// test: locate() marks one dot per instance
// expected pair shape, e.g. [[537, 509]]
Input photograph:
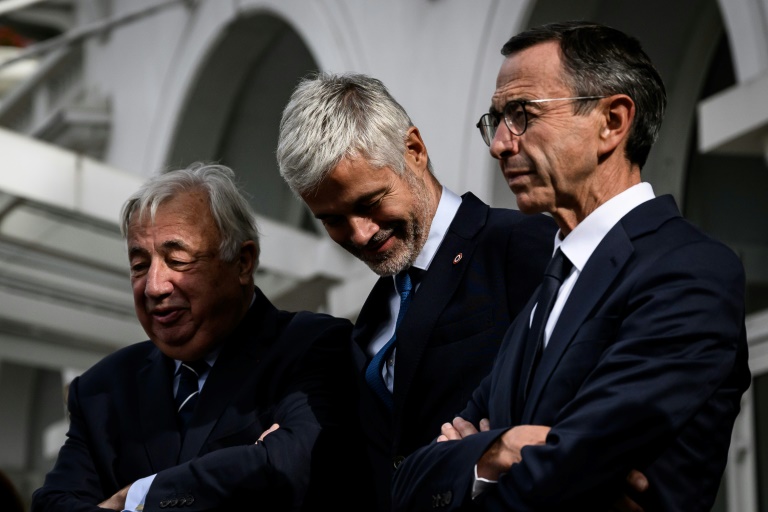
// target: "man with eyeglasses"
[[351, 152], [641, 361]]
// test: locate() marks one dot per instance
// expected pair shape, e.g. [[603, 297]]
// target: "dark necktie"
[[373, 372], [558, 269], [188, 391]]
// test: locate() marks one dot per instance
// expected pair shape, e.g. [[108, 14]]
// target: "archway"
[[232, 112]]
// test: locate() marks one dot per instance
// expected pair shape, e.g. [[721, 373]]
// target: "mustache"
[[376, 240], [380, 236], [516, 163]]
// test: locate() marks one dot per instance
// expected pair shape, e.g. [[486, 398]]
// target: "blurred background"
[[97, 95]]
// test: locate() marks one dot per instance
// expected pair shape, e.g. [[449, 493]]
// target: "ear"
[[248, 260], [618, 113], [415, 151]]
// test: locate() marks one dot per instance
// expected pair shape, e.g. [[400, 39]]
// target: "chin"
[[526, 204], [390, 265]]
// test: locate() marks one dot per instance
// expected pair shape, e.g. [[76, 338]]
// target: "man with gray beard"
[[461, 269]]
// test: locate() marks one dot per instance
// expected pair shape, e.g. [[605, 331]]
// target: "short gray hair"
[[230, 209], [335, 116], [601, 61]]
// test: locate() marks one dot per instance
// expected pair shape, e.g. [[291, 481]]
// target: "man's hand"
[[639, 483], [461, 428], [264, 434], [505, 451], [117, 501]]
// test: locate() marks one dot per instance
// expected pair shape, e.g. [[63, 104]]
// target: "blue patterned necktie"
[[188, 391], [373, 372], [557, 270]]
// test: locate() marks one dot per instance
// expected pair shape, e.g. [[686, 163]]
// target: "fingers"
[[485, 425], [271, 429], [464, 427], [117, 501], [625, 504], [458, 429], [448, 433], [637, 481]]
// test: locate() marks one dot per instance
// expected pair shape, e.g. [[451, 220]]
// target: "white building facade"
[[129, 88]]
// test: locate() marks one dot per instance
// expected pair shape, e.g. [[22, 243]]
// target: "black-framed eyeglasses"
[[515, 116]]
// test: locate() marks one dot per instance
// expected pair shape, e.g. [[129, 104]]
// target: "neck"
[[606, 183]]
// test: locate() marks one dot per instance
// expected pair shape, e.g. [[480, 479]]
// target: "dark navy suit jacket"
[[452, 330], [123, 424], [645, 369]]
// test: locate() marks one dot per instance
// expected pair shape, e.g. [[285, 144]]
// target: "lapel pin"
[[457, 258]]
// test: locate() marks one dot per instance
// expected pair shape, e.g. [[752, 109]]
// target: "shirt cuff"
[[137, 494], [480, 485]]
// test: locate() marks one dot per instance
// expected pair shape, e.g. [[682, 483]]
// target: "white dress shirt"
[[446, 211], [578, 246], [580, 243]]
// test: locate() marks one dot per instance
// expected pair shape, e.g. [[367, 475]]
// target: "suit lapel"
[[524, 352], [602, 268], [372, 315], [237, 362], [157, 415], [435, 291]]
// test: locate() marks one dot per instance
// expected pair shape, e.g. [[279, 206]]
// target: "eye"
[[366, 208], [177, 264], [518, 113], [331, 222], [138, 268]]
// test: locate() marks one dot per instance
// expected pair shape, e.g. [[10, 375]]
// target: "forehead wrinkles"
[[532, 73], [513, 89]]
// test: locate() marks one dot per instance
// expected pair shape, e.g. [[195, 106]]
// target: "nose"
[[504, 142], [361, 229], [158, 282]]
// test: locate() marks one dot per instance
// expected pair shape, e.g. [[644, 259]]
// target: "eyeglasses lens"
[[515, 117], [487, 126]]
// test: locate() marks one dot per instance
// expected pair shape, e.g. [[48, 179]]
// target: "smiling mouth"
[[166, 316], [377, 243]]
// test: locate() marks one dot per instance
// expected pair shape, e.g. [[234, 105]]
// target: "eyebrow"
[[174, 245], [362, 199], [171, 245], [135, 251]]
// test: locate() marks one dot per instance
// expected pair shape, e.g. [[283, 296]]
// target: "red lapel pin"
[[457, 258]]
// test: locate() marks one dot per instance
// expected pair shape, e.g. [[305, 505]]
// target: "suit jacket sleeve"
[[651, 378], [273, 473], [75, 469], [301, 384]]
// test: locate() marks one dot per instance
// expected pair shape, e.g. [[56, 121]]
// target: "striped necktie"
[[188, 391]]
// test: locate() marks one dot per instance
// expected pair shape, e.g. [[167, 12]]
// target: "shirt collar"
[[210, 359], [446, 211], [213, 354], [580, 243]]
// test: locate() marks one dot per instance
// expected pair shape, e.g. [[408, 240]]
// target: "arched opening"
[[233, 109]]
